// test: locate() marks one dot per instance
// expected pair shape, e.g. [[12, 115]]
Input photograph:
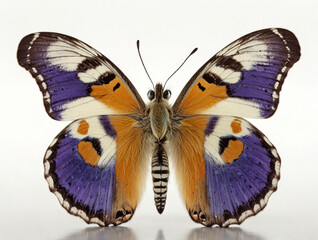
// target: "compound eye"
[[151, 95], [167, 94]]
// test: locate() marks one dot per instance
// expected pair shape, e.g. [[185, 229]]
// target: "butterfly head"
[[159, 93]]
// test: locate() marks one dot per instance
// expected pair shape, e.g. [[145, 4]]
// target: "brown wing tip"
[[23, 50]]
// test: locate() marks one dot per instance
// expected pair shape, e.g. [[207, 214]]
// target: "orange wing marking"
[[88, 152], [115, 95], [236, 126], [202, 96], [83, 127], [233, 151]]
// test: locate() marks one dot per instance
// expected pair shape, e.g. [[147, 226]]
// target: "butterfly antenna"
[[144, 64], [193, 51]]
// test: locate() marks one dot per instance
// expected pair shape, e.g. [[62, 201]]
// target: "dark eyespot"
[[167, 94], [151, 95]]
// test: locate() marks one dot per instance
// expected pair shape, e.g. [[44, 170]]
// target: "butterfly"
[[226, 168]]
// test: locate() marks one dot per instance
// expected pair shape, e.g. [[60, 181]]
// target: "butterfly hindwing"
[[240, 169], [76, 80], [88, 168], [244, 79]]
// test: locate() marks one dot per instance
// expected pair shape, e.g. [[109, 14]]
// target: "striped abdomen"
[[160, 175]]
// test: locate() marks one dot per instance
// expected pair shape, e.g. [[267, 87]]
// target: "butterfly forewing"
[[244, 79], [76, 80]]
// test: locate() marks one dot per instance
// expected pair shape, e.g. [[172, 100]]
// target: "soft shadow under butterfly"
[[226, 168]]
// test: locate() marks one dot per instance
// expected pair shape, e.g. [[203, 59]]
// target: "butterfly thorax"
[[159, 112], [159, 120]]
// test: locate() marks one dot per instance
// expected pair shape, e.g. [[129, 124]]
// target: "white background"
[[168, 31]]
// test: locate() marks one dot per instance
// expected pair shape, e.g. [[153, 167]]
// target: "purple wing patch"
[[242, 170], [80, 169]]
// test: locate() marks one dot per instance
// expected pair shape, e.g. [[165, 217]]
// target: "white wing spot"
[[54, 141], [227, 75], [246, 59], [274, 182], [34, 70], [275, 95], [235, 107], [58, 53], [97, 221], [48, 153], [229, 222], [40, 78], [267, 141], [66, 205], [91, 75], [47, 97], [83, 215], [274, 152], [84, 107], [245, 215], [257, 208], [262, 203], [50, 181], [59, 197], [44, 85], [36, 35], [74, 210], [277, 33], [46, 167], [277, 168], [267, 196]]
